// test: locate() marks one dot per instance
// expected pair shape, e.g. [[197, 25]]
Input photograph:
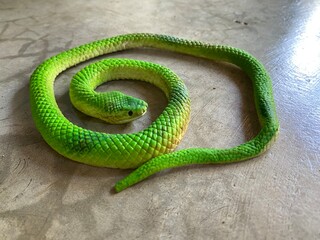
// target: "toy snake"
[[149, 150]]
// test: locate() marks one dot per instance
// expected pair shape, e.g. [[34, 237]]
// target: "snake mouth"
[[139, 113], [142, 112]]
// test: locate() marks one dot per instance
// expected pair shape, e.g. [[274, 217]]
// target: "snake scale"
[[149, 150]]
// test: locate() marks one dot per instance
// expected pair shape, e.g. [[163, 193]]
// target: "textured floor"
[[275, 196]]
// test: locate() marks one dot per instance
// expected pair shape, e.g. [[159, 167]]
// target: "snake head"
[[120, 108]]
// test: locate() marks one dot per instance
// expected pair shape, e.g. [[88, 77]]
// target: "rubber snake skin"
[[150, 150]]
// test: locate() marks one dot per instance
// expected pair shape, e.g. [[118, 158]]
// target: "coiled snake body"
[[150, 150]]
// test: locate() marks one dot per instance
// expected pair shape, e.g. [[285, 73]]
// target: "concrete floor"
[[275, 196]]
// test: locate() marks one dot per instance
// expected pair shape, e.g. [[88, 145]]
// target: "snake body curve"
[[150, 150]]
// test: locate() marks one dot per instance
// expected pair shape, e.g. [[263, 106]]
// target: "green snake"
[[149, 150]]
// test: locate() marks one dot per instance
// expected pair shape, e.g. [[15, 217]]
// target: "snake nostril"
[[130, 113]]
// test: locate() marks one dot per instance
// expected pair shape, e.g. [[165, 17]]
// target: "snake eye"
[[130, 113]]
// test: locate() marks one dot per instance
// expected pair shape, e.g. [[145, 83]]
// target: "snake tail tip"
[[127, 182], [120, 186]]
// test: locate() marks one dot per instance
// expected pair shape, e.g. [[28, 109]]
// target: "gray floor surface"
[[275, 196]]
